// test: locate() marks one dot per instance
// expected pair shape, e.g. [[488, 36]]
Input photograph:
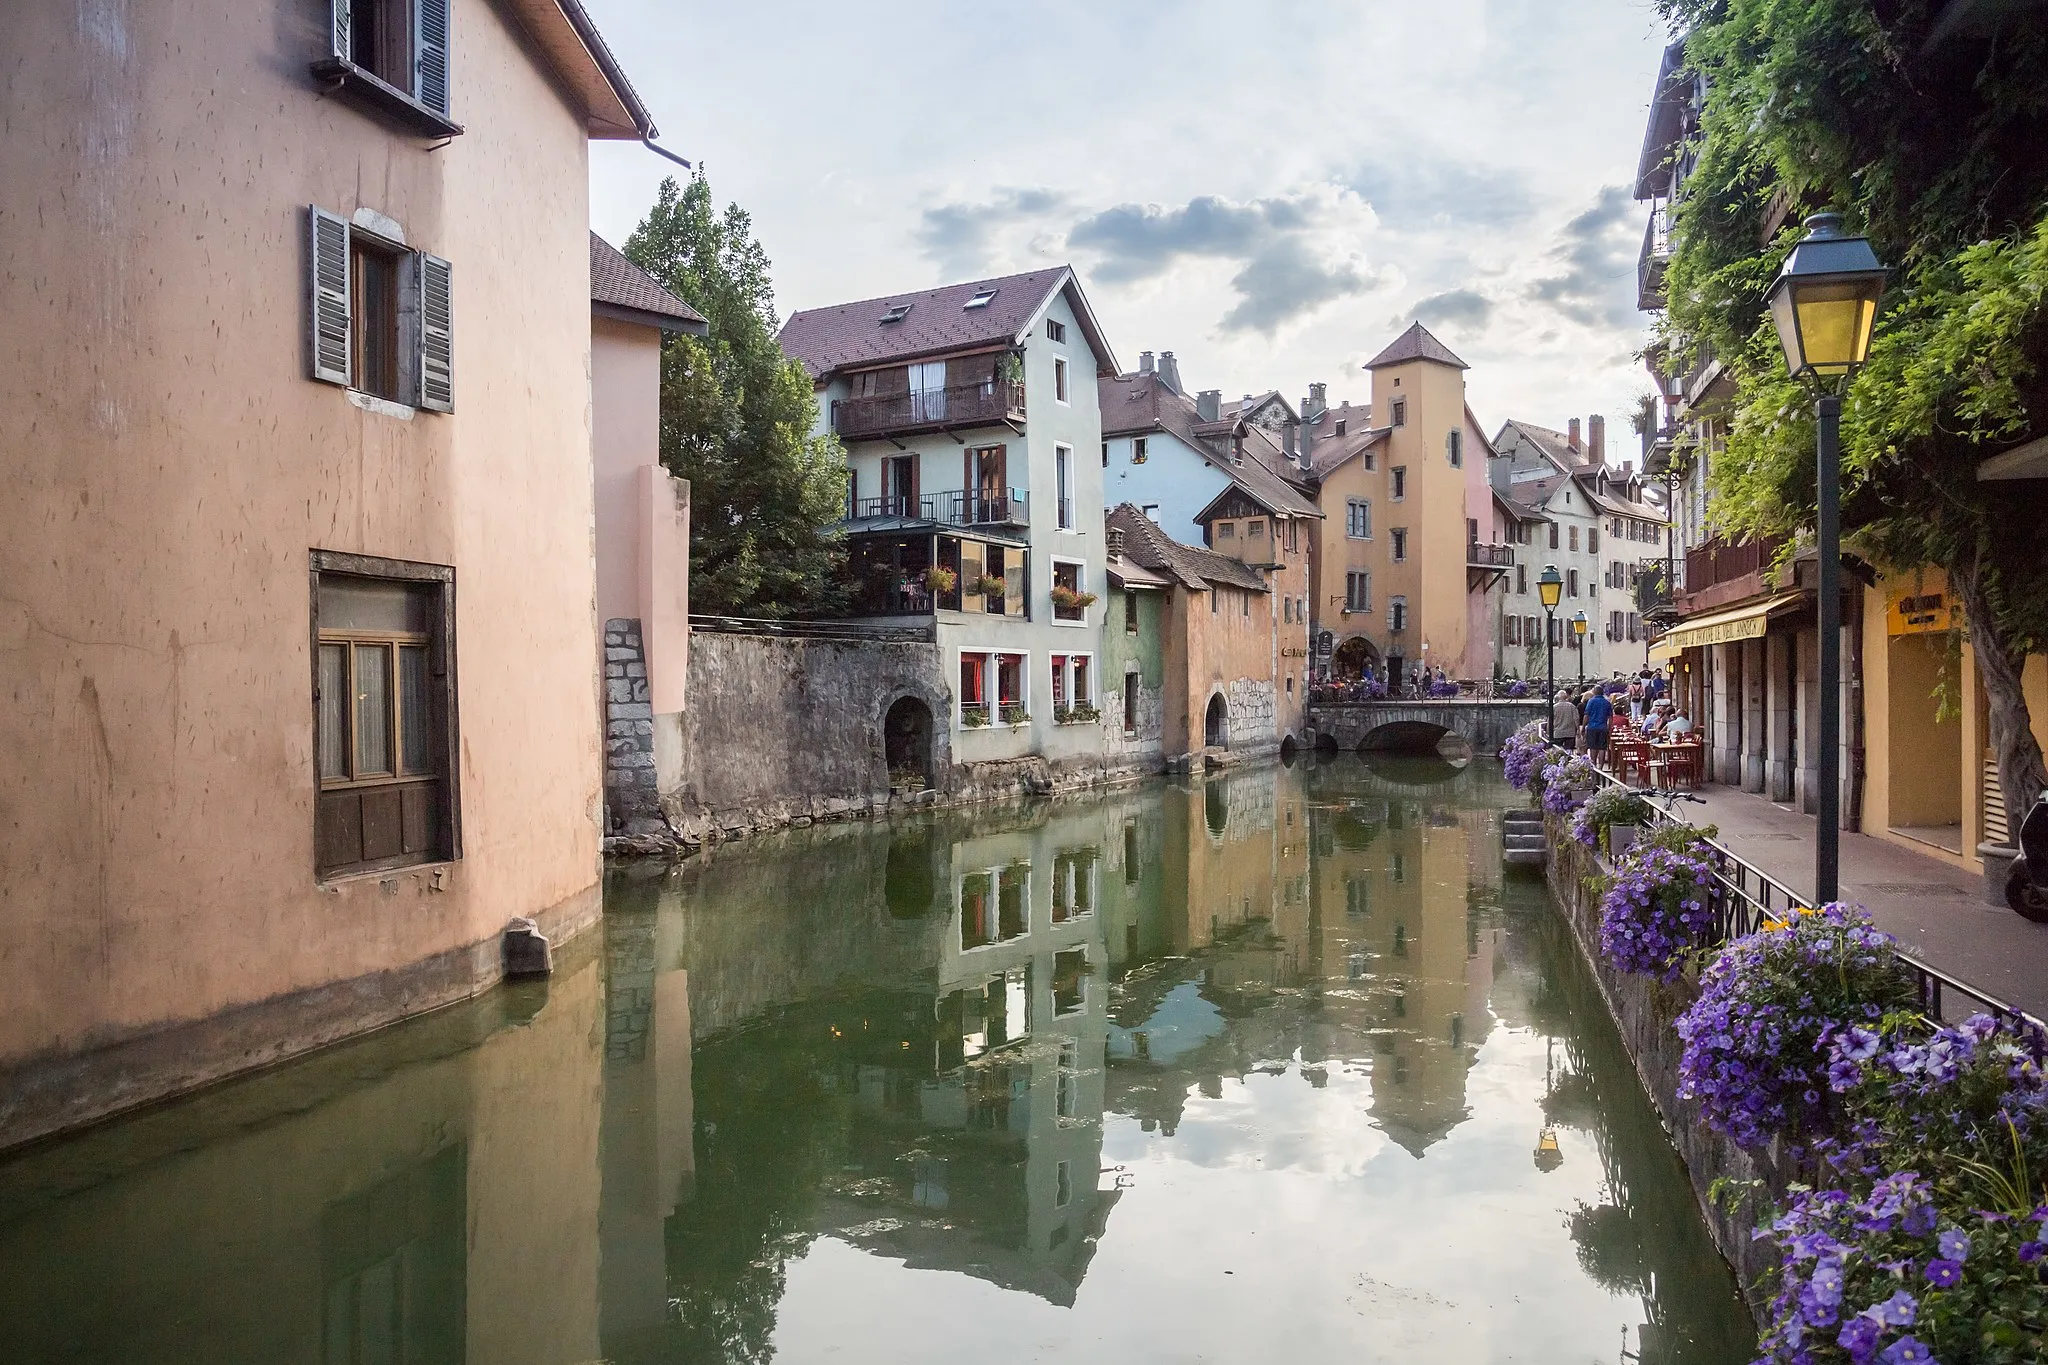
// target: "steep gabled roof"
[[1517, 509], [620, 289], [1189, 565], [845, 336], [1589, 484], [1553, 444], [1327, 450], [1133, 404], [1416, 344]]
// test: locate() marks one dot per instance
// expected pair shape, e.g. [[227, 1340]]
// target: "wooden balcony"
[[1486, 565], [1717, 573], [956, 407]]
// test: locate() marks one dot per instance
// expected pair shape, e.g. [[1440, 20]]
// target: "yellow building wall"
[[1432, 510]]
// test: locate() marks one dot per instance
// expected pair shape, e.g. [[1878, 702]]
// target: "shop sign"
[[1925, 613]]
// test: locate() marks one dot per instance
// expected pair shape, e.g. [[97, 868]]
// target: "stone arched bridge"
[[1418, 726]]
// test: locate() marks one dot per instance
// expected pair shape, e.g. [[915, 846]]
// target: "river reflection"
[[1267, 1066]]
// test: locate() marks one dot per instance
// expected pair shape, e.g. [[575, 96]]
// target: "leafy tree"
[[1939, 151], [737, 417]]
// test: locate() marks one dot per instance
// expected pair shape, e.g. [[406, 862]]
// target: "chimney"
[[1208, 403], [1144, 362], [1572, 435], [1596, 439], [1287, 440], [1113, 542], [1169, 372], [1317, 402]]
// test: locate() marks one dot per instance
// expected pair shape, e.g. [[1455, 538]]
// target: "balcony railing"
[[1482, 556], [1004, 507], [1655, 256], [1715, 562], [959, 405], [894, 505]]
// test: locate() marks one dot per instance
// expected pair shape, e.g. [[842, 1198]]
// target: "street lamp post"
[[1579, 642], [1823, 305], [1550, 587]]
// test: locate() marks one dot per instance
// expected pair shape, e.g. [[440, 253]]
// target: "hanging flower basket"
[[940, 580], [988, 585]]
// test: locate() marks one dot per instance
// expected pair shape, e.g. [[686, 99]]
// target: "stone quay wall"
[[785, 730], [1645, 1012]]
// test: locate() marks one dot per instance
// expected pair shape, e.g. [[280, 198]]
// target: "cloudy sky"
[[1269, 190]]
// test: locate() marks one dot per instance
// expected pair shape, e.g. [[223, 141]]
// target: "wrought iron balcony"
[[989, 403], [1656, 255], [1003, 507]]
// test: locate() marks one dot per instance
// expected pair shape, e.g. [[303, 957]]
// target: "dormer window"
[[897, 312], [982, 298], [1340, 426]]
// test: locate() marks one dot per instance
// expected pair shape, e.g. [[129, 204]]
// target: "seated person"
[[1679, 724]]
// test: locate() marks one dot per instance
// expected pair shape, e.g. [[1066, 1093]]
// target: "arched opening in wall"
[[1216, 726], [907, 744], [1326, 744], [1352, 656], [1216, 809], [1403, 737], [1289, 750]]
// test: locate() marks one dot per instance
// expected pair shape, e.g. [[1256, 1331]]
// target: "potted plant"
[[974, 716], [1066, 599], [989, 585], [1014, 713], [1084, 713], [940, 580], [1615, 812]]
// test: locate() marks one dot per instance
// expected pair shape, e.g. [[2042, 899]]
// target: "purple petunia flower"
[[1908, 1351], [1943, 1273], [1897, 1311], [1859, 1337], [1954, 1244]]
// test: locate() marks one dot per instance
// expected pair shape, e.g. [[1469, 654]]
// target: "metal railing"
[[956, 405], [812, 630], [1483, 556], [1746, 898], [998, 507], [893, 505], [1656, 254]]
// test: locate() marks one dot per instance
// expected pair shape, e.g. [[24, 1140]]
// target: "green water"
[[1257, 1068]]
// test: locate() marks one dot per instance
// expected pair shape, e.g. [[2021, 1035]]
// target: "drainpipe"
[[1855, 812]]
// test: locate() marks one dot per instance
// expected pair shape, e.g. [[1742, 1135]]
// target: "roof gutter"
[[615, 76]]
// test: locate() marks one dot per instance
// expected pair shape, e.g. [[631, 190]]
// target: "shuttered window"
[[392, 58], [381, 317]]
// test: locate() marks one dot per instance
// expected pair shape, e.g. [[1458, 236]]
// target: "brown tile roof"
[[1588, 482], [1190, 565], [1555, 444], [1328, 451], [1520, 511], [851, 335], [617, 283], [1416, 344], [1133, 404]]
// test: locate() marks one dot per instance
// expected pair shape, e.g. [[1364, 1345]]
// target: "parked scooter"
[[2026, 884]]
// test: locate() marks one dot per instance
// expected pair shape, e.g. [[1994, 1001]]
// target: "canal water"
[[1271, 1066]]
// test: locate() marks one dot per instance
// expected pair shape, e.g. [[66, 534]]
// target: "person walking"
[[1599, 724], [1564, 720]]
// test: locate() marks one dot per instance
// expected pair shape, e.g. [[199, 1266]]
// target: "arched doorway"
[[1216, 727], [907, 744], [1352, 656]]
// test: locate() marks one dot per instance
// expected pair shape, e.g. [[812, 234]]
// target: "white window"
[[1358, 519], [1073, 687], [928, 392], [1059, 379], [1069, 592], [1138, 450], [1063, 484], [994, 688], [1055, 330], [381, 314]]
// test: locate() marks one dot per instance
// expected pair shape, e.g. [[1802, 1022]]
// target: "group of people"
[[1584, 719]]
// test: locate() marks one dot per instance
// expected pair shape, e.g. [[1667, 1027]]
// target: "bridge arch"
[[1404, 737]]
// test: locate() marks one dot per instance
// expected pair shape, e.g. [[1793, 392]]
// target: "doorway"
[[907, 744], [1216, 726]]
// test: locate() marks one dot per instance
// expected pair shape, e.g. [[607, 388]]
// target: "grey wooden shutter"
[[430, 48], [327, 305], [437, 334], [339, 29]]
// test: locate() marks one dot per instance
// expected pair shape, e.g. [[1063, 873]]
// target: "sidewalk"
[[1936, 912]]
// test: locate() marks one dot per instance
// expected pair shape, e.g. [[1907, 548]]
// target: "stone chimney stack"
[[1317, 402], [1169, 372], [1208, 403], [1572, 436], [1596, 439], [1144, 362], [1113, 542]]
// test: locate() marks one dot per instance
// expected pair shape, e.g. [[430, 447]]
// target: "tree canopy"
[[737, 417], [1934, 141]]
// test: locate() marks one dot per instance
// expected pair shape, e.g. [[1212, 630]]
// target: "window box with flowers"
[[1014, 713], [1082, 713], [1070, 596]]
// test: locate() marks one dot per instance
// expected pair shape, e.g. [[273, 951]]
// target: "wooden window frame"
[[445, 739]]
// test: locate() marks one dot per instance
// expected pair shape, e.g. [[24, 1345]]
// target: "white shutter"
[[339, 28], [430, 47], [327, 305], [437, 334]]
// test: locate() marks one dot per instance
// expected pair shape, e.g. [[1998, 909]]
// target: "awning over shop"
[[1724, 627], [1664, 652]]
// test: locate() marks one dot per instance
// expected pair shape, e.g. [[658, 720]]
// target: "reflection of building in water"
[[427, 1194], [1405, 943]]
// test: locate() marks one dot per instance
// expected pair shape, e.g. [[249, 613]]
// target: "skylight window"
[[982, 298], [897, 312]]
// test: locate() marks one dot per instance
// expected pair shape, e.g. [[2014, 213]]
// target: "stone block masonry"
[[632, 803]]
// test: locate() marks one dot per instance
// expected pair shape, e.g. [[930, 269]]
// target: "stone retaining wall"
[[1645, 1012]]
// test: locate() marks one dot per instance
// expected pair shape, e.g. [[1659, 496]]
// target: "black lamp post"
[[1823, 304], [1550, 587], [1579, 642]]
